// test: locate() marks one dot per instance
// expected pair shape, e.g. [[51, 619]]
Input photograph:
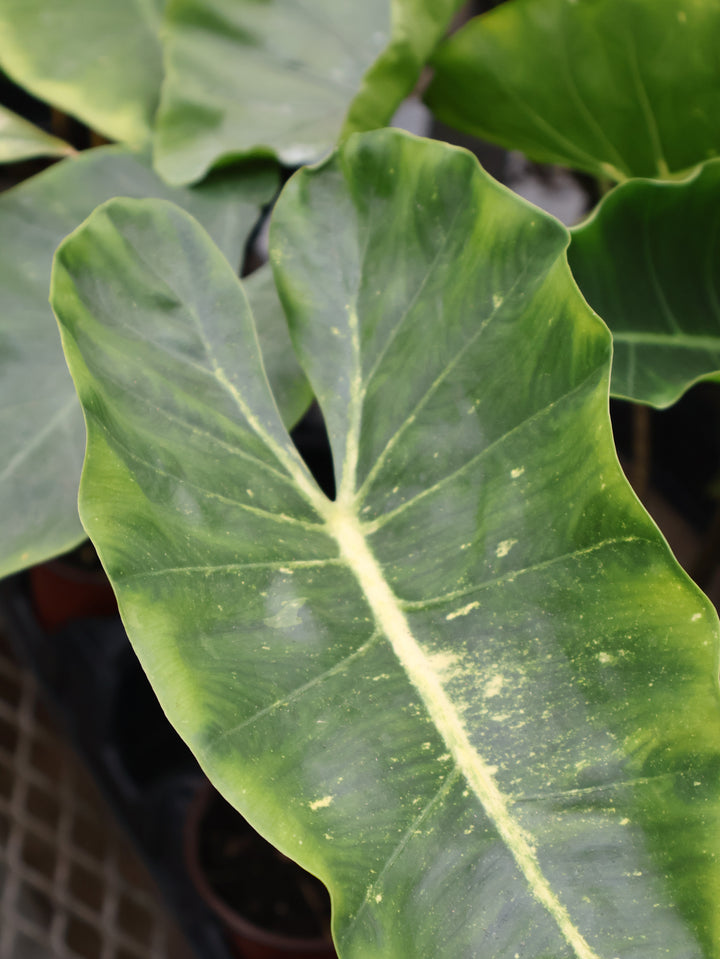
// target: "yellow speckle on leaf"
[[444, 664], [321, 803], [494, 686], [462, 612], [504, 547], [518, 471]]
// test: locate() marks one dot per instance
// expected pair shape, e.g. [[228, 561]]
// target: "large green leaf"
[[96, 59], [42, 437], [475, 693], [283, 77], [21, 140], [647, 261], [616, 87]]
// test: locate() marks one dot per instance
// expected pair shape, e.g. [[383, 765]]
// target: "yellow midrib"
[[345, 528]]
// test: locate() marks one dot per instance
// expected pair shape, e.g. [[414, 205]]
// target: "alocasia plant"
[[474, 693]]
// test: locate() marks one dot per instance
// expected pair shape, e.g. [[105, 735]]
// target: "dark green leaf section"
[[41, 431], [475, 693], [21, 140], [647, 263], [618, 88], [282, 77], [99, 61]]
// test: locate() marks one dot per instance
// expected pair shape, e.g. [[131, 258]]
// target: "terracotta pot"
[[69, 588], [246, 940]]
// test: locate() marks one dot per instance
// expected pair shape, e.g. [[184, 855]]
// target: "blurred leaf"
[[96, 60], [290, 386], [42, 437], [22, 140], [282, 77], [647, 262], [618, 88], [416, 28]]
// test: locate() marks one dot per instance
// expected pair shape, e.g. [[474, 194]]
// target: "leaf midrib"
[[345, 527]]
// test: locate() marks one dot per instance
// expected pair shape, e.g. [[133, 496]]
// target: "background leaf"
[[280, 77], [475, 693], [647, 262], [99, 61], [42, 437], [290, 387], [627, 88], [416, 28], [22, 140]]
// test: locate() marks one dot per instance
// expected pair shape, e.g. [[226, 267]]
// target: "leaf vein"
[[511, 575], [300, 691], [230, 567], [373, 525], [407, 422]]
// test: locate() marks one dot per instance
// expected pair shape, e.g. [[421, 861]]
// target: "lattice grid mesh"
[[71, 887]]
